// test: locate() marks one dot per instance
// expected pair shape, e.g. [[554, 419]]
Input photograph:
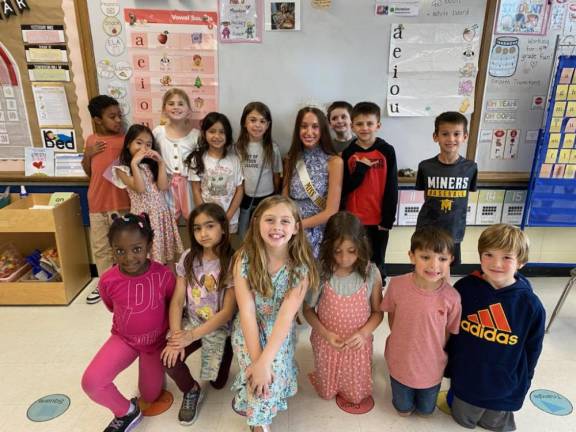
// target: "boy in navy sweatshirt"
[[492, 359]]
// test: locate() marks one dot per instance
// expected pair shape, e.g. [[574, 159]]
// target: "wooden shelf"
[[29, 229]]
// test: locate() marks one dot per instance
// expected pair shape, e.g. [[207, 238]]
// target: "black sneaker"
[[93, 297], [128, 422], [190, 406]]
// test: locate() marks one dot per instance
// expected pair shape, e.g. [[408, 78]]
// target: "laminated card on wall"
[[490, 202], [411, 202], [513, 209], [471, 208]]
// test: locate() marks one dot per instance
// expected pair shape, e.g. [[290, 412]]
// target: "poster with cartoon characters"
[[522, 17], [169, 49], [240, 21], [432, 68]]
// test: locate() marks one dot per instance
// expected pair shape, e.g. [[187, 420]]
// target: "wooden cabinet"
[[30, 229]]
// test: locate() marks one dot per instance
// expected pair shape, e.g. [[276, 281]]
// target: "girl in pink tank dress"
[[344, 312]]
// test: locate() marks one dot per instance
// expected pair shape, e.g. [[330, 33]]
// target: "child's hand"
[[259, 378], [335, 341], [366, 161], [140, 154], [99, 147], [170, 355], [180, 339], [155, 156], [356, 341]]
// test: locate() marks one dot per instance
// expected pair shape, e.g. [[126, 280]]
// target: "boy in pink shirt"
[[423, 309]]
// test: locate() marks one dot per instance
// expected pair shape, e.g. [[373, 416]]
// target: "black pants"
[[457, 255], [378, 242], [181, 375]]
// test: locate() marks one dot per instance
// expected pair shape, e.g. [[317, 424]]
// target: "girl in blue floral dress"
[[313, 173], [272, 271]]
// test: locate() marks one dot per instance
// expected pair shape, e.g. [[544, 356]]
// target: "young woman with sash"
[[313, 173]]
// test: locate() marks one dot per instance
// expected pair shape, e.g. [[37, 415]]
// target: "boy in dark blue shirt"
[[492, 360]]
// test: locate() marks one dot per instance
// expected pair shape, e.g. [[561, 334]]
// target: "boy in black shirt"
[[446, 180]]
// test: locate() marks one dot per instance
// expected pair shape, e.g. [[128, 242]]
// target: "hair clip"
[[141, 225], [125, 218]]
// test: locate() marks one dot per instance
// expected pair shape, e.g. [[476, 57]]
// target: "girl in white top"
[[176, 141], [215, 170], [260, 158]]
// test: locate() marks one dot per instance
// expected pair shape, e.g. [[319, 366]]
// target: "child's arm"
[[277, 170], [186, 337], [196, 193], [247, 311], [312, 317], [134, 181], [351, 181], [259, 373], [335, 169], [162, 181], [534, 338], [359, 338], [390, 197], [170, 353], [236, 200], [89, 152]]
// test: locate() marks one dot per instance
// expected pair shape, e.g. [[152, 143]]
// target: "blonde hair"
[[174, 91], [299, 251], [506, 238]]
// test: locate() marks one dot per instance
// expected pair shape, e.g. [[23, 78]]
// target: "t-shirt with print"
[[219, 181], [251, 169], [446, 188], [203, 299], [415, 348], [139, 304], [103, 196], [340, 146]]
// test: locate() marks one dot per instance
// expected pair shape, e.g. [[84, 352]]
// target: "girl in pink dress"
[[344, 312], [142, 171]]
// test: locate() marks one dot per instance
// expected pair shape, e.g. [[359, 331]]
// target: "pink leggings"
[[115, 356]]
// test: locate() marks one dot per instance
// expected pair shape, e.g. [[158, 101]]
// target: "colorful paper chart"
[[170, 49]]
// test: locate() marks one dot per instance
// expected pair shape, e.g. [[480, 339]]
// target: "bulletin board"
[[518, 73], [338, 53], [45, 13]]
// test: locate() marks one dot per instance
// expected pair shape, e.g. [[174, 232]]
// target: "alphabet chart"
[[171, 49], [432, 68]]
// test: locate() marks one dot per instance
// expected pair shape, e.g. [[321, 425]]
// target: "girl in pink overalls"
[[344, 312]]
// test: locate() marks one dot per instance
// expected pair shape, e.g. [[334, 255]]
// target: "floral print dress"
[[260, 411], [316, 162]]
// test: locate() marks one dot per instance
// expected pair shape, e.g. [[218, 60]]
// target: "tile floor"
[[45, 350]]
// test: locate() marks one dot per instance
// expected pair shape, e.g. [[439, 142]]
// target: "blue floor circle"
[[551, 402], [48, 408]]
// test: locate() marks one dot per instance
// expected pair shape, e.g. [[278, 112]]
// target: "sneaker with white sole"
[[93, 297], [128, 422], [190, 406]]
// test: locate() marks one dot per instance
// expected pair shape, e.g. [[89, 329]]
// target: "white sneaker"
[[93, 297]]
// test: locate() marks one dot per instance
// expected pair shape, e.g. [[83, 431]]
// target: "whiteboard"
[[340, 54]]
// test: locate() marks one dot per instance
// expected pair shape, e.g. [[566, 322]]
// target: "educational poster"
[[51, 105], [171, 49], [38, 162], [14, 128], [522, 17], [282, 16], [59, 140], [432, 68], [240, 21]]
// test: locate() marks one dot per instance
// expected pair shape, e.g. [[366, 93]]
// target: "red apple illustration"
[[163, 37]]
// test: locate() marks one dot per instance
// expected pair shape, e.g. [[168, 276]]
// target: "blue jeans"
[[406, 399]]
